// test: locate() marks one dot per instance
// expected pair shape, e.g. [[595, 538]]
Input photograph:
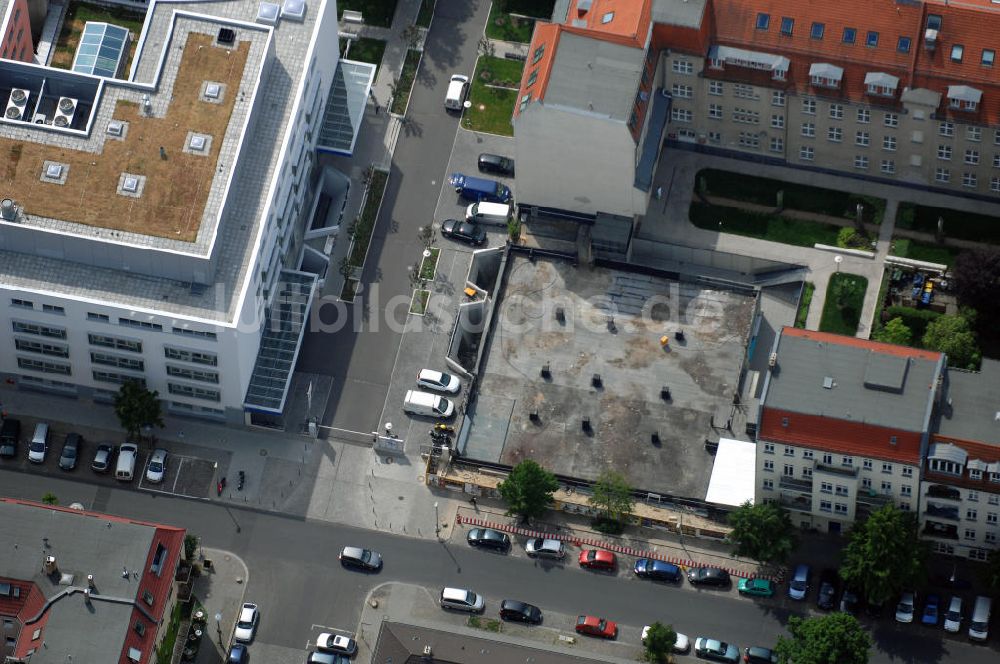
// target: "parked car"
[[366, 559], [657, 570], [932, 611], [849, 601], [716, 650], [460, 599], [544, 548], [953, 616], [488, 539], [494, 163], [479, 189], [828, 583], [598, 559], [70, 451], [338, 643], [755, 587], [594, 626], [103, 457], [39, 444], [512, 609], [463, 231], [324, 657], [904, 610], [246, 623], [238, 654], [10, 434], [157, 467], [709, 576], [798, 587], [759, 655], [458, 87], [681, 644], [438, 380]]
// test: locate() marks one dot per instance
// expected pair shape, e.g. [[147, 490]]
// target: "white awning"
[[881, 79], [948, 452], [964, 93], [733, 476], [826, 70], [753, 59], [977, 464], [993, 467]]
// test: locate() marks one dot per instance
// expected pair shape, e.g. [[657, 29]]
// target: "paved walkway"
[[220, 591]]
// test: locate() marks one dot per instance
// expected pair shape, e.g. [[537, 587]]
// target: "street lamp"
[[218, 629], [437, 522], [838, 260]]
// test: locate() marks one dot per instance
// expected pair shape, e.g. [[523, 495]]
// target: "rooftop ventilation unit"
[[930, 39], [40, 118], [65, 111], [772, 360], [294, 10], [8, 210], [268, 13], [50, 564], [17, 104], [227, 36], [116, 128]]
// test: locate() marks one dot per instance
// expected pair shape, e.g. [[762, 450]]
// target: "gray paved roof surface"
[[686, 13], [595, 76], [972, 404]]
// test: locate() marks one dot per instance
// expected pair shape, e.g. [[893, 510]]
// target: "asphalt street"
[[296, 578]]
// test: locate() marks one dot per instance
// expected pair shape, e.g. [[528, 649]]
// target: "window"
[[807, 153], [867, 464], [193, 374], [944, 152], [31, 364], [827, 458], [681, 66], [862, 138], [533, 76], [763, 21], [778, 121], [891, 120], [903, 45], [787, 25], [681, 115], [825, 506], [835, 134], [197, 357], [887, 468], [993, 500], [38, 330], [864, 115], [42, 348], [715, 136], [788, 470], [969, 180], [193, 392], [991, 537], [768, 485], [996, 161], [946, 128], [808, 129], [715, 111], [850, 34], [995, 477], [947, 467], [889, 143], [841, 490], [116, 378], [989, 55], [139, 627], [933, 22], [539, 52], [906, 490], [807, 472], [778, 99], [817, 30], [769, 466], [715, 87], [871, 39], [100, 318], [970, 534], [23, 304], [768, 448], [904, 507], [53, 309], [957, 51], [991, 518], [866, 482], [778, 145], [608, 17], [840, 508], [847, 461], [972, 157], [837, 111], [745, 91], [995, 184], [907, 471], [942, 175], [807, 454], [128, 363], [974, 134], [975, 474], [745, 116], [886, 487], [809, 106], [789, 451], [682, 91], [145, 325], [200, 334], [114, 342], [749, 139]]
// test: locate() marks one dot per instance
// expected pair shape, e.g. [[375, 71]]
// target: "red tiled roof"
[[628, 24], [161, 586], [840, 436], [975, 450], [876, 346], [546, 37]]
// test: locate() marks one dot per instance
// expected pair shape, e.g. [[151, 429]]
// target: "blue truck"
[[479, 189]]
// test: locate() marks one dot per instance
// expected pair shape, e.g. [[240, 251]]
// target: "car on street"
[[494, 163], [512, 609], [849, 601], [323, 657], [598, 559], [759, 655], [462, 599], [709, 576], [932, 610], [904, 610], [238, 654], [157, 467], [365, 559], [827, 596], [755, 587], [539, 547], [246, 623], [337, 643], [463, 231], [798, 587], [594, 626], [716, 650], [70, 451], [488, 538], [953, 616], [438, 380], [681, 644], [103, 456], [657, 570]]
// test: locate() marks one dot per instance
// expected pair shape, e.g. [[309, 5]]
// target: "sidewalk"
[[220, 591]]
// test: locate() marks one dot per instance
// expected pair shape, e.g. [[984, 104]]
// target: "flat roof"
[[971, 407], [627, 407], [733, 479], [595, 76]]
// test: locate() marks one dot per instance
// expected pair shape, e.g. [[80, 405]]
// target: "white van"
[[459, 599], [425, 403], [457, 89], [487, 213], [953, 616], [979, 623], [125, 469], [39, 443]]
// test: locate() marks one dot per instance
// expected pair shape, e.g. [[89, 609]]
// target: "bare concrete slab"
[[585, 322]]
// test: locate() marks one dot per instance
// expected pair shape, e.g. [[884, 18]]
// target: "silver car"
[[157, 467], [544, 548]]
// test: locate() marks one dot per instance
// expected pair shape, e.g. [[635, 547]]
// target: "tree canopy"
[[137, 407], [836, 638], [528, 489], [895, 332], [953, 335], [884, 555], [612, 495], [977, 279], [762, 532], [659, 642]]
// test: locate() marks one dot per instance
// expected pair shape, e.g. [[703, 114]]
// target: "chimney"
[[50, 565]]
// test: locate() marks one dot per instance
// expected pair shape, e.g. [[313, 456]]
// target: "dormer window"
[[946, 467], [763, 21], [881, 84], [903, 45], [995, 478], [964, 98], [825, 75], [779, 74], [957, 51], [817, 30], [871, 40], [933, 22], [975, 474], [787, 24]]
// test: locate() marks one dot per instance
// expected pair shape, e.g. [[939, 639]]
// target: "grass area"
[[425, 14], [429, 265], [921, 251], [349, 290], [366, 49], [375, 12], [365, 223], [764, 191], [845, 296], [961, 225], [493, 107], [418, 303], [766, 227], [401, 92], [78, 14], [165, 653], [803, 313]]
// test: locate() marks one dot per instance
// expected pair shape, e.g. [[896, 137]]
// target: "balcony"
[[942, 491], [942, 512], [802, 486], [940, 530], [797, 502], [840, 471], [872, 499]]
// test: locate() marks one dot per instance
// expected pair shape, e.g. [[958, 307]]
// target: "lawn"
[[366, 49], [766, 227], [962, 225], [418, 303], [349, 290], [401, 92], [921, 251], [365, 224], [425, 14], [492, 107], [78, 14], [845, 296], [429, 265], [375, 12], [803, 313], [764, 191]]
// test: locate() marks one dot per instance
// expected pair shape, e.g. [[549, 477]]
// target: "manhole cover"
[[263, 452], [400, 498]]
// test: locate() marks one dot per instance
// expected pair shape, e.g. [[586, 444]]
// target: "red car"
[[593, 626], [597, 559]]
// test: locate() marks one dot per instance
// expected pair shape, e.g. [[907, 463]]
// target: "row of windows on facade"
[[841, 490], [103, 340], [21, 303], [949, 550], [846, 461], [106, 359]]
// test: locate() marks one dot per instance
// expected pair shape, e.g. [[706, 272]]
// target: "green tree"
[[528, 489], [990, 573], [612, 495], [836, 638], [884, 555], [895, 332], [137, 407], [50, 499], [848, 289], [953, 336], [659, 642], [762, 532], [190, 546]]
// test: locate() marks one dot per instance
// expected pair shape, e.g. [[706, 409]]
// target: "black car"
[[238, 654], [464, 231], [488, 538], [829, 584], [10, 433], [70, 451], [103, 456], [758, 655], [709, 576], [511, 609], [494, 163]]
